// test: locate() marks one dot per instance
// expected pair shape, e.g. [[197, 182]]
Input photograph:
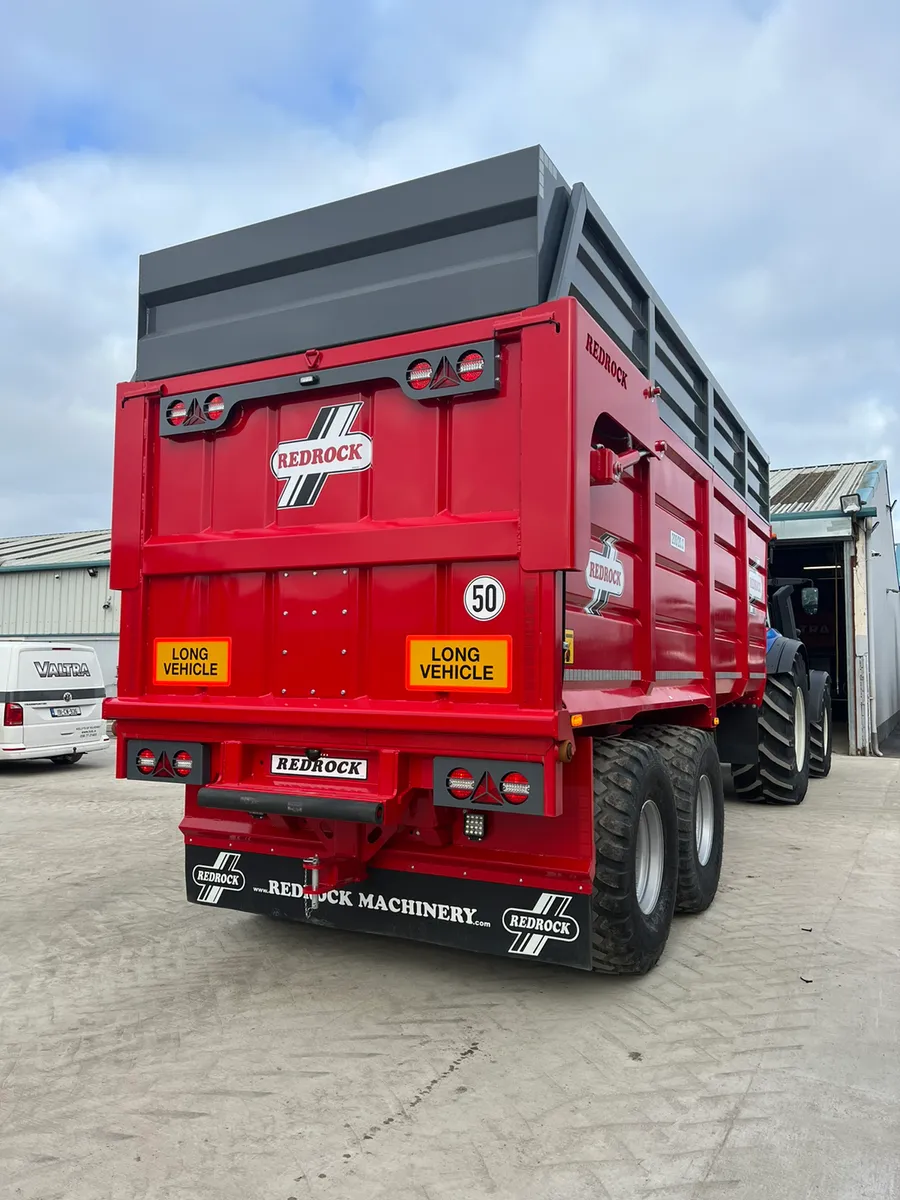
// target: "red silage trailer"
[[435, 618]]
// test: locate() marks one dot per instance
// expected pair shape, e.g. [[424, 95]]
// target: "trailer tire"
[[693, 764], [820, 726], [636, 873], [779, 777]]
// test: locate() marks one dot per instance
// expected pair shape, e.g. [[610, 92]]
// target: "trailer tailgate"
[[338, 537]]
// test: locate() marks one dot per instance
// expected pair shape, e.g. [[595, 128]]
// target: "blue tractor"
[[793, 727]]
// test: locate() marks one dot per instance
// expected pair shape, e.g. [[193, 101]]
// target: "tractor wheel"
[[636, 876], [693, 764], [782, 774], [820, 732]]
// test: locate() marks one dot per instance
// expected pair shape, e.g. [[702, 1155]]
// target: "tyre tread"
[[620, 767], [774, 777]]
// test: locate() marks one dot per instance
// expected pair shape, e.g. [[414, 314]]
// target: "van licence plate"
[[65, 712]]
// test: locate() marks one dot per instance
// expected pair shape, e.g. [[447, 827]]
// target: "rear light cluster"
[[460, 783], [183, 763], [13, 717], [515, 788], [213, 406], [470, 366], [420, 374], [176, 413], [211, 411], [148, 763]]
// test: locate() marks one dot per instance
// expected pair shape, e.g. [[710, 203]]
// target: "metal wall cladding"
[[55, 602]]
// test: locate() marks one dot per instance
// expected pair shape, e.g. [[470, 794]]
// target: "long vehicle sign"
[[459, 664], [195, 662]]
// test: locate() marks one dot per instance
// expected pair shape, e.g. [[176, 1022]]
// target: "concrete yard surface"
[[153, 1050]]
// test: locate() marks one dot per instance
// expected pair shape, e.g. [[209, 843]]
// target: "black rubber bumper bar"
[[288, 805]]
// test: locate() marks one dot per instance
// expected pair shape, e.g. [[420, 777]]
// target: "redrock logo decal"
[[605, 574], [330, 449], [221, 876], [354, 768], [606, 360], [534, 927], [55, 670]]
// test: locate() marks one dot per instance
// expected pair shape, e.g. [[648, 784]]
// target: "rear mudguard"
[[781, 653], [818, 682]]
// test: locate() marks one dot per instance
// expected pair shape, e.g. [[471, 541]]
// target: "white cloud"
[[747, 155]]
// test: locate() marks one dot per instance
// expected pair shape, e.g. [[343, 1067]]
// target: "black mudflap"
[[490, 918]]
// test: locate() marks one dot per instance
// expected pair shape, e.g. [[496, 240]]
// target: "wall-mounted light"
[[851, 504], [92, 571]]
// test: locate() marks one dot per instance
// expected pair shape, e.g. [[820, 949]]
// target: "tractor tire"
[[782, 774], [636, 874], [693, 764], [820, 734]]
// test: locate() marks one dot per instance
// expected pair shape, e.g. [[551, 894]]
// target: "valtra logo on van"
[[63, 670], [330, 449]]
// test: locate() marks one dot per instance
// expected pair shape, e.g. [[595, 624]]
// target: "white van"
[[51, 699]]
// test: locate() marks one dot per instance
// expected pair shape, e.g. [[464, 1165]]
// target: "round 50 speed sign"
[[484, 598]]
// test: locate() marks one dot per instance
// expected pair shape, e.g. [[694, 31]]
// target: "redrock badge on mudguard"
[[220, 876], [330, 449]]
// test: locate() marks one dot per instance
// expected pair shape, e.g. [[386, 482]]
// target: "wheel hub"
[[800, 728], [704, 820], [649, 857]]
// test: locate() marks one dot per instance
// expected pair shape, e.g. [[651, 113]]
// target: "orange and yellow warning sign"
[[458, 664], [195, 662]]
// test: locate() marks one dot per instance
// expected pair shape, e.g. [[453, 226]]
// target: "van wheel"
[[636, 876], [693, 763], [782, 773], [66, 760]]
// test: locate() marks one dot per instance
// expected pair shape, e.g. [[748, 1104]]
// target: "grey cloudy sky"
[[747, 151]]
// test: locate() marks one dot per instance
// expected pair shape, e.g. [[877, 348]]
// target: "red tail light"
[[183, 763], [214, 406], [460, 783], [13, 716], [470, 366], [419, 374], [515, 788], [176, 413], [146, 761]]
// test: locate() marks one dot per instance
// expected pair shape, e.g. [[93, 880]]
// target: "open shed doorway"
[[825, 565]]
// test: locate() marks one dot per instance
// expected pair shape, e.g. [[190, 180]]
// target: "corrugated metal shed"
[[57, 585], [39, 552], [818, 490]]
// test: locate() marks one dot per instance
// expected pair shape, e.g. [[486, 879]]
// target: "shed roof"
[[818, 490], [89, 548]]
